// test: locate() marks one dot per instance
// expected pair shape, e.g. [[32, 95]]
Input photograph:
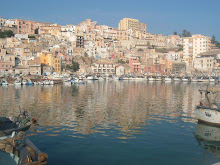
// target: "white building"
[[120, 71], [192, 46], [103, 68]]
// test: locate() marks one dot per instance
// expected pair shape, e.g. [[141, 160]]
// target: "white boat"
[[194, 79], [57, 77], [176, 79], [151, 79], [202, 79], [158, 78], [211, 79], [46, 82], [100, 79], [168, 79], [89, 78], [24, 82], [209, 109], [17, 83], [51, 82], [4, 82], [185, 79]]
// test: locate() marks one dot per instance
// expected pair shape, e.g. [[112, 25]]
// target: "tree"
[[186, 33], [33, 37], [6, 33], [175, 33], [140, 50], [213, 40], [75, 66]]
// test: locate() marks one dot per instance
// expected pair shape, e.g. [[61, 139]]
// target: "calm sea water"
[[115, 122]]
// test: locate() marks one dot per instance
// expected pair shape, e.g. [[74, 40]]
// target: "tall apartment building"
[[79, 42], [134, 24], [197, 44]]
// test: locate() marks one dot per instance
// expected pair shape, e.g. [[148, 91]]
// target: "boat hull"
[[208, 115]]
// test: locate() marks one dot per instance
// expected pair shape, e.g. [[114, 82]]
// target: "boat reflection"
[[209, 137]]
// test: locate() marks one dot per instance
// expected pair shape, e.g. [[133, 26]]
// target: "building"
[[103, 68], [208, 61], [134, 24], [51, 60], [79, 42], [135, 65], [198, 43]]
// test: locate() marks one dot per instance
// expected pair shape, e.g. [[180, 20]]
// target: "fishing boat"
[[203, 79], [176, 79], [158, 78], [20, 150], [24, 82], [4, 82], [17, 83], [151, 79], [168, 79], [194, 79], [209, 109], [185, 79], [30, 82], [211, 79], [51, 82], [11, 125]]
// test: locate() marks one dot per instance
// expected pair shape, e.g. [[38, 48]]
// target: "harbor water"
[[116, 122]]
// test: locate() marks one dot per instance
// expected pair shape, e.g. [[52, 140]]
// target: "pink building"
[[135, 65], [67, 59]]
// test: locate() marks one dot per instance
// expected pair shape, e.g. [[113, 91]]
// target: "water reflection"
[[98, 106], [209, 138]]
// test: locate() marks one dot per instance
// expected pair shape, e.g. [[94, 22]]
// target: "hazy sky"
[[161, 16]]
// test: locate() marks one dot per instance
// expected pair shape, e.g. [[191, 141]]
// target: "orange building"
[[51, 60]]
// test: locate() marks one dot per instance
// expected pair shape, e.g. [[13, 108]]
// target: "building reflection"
[[126, 106]]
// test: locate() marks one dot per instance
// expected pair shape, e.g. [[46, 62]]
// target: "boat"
[[151, 79], [30, 83], [20, 150], [89, 77], [158, 78], [168, 79], [4, 82], [209, 109], [185, 79], [211, 79], [203, 79], [194, 79], [17, 83], [9, 126], [46, 82], [24, 82], [51, 82], [175, 79]]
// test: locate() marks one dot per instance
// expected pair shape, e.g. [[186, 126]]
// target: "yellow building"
[[51, 60], [134, 24]]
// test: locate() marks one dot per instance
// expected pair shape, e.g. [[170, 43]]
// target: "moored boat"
[[17, 83], [11, 125], [209, 109], [151, 79], [168, 79], [4, 82], [176, 79]]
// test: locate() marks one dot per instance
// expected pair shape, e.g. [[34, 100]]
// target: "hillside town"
[[43, 49]]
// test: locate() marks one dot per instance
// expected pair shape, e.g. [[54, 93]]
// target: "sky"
[[161, 16]]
